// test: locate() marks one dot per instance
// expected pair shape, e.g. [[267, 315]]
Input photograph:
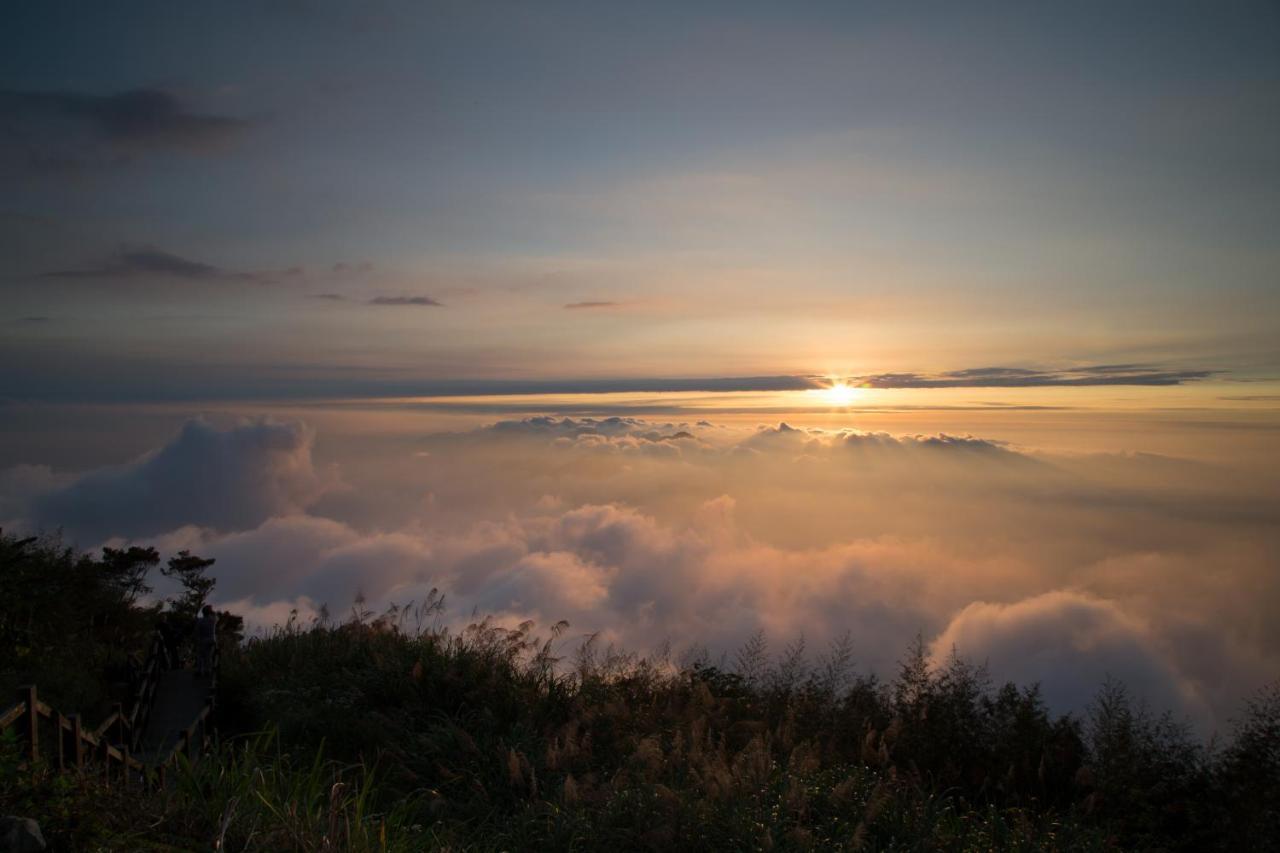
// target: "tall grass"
[[245, 795], [250, 795], [515, 742], [393, 732]]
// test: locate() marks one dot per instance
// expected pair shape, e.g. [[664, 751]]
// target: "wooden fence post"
[[118, 709], [77, 747], [27, 695], [60, 727]]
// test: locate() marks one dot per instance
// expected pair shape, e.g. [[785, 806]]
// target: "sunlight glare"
[[840, 394]]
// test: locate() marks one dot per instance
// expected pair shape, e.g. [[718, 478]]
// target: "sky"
[[951, 319], [242, 199]]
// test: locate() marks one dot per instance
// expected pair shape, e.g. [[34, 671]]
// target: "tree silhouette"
[[190, 572]]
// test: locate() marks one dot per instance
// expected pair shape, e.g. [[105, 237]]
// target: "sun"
[[840, 394]]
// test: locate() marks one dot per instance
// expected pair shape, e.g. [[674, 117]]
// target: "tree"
[[190, 572], [126, 570], [1248, 773], [914, 685]]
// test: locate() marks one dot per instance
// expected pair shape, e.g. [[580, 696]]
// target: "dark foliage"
[[394, 732], [76, 625]]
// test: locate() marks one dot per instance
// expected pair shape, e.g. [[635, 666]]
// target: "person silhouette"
[[206, 640], [171, 640]]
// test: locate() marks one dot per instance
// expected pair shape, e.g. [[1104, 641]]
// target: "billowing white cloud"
[[225, 479], [612, 569], [1070, 643], [540, 580]]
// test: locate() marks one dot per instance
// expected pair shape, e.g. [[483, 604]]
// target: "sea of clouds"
[[1058, 569]]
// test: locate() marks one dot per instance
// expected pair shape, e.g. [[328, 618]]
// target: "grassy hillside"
[[391, 733]]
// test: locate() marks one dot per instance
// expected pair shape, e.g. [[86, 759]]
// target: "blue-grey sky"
[[243, 199]]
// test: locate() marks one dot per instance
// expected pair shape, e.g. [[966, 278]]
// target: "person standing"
[[171, 640], [206, 640]]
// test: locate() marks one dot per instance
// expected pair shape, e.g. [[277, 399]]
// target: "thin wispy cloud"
[[405, 300], [1020, 377], [66, 130], [574, 306], [149, 262]]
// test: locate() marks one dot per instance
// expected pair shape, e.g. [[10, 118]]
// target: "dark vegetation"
[[74, 624], [390, 731]]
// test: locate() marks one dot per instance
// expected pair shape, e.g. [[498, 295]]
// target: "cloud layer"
[[1040, 565]]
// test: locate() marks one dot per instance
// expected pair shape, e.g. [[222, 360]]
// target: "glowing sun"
[[840, 394]]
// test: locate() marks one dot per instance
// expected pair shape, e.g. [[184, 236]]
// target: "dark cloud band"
[[406, 300], [1018, 377], [211, 382], [67, 131], [149, 262]]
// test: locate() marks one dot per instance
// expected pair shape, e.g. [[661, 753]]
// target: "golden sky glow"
[[840, 394]]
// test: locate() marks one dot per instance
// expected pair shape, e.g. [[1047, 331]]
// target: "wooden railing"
[[76, 746], [113, 742], [145, 694]]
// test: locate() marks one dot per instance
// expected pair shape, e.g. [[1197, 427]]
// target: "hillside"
[[391, 731]]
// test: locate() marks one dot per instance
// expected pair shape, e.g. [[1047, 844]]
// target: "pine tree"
[[190, 572]]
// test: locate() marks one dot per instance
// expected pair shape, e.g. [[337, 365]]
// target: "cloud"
[[149, 262], [941, 453], [573, 427], [266, 380], [318, 558], [332, 297], [1018, 377], [580, 585], [20, 486], [603, 567], [405, 300], [514, 387], [224, 479], [573, 306], [34, 320], [909, 456], [1069, 643], [60, 131], [1053, 568]]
